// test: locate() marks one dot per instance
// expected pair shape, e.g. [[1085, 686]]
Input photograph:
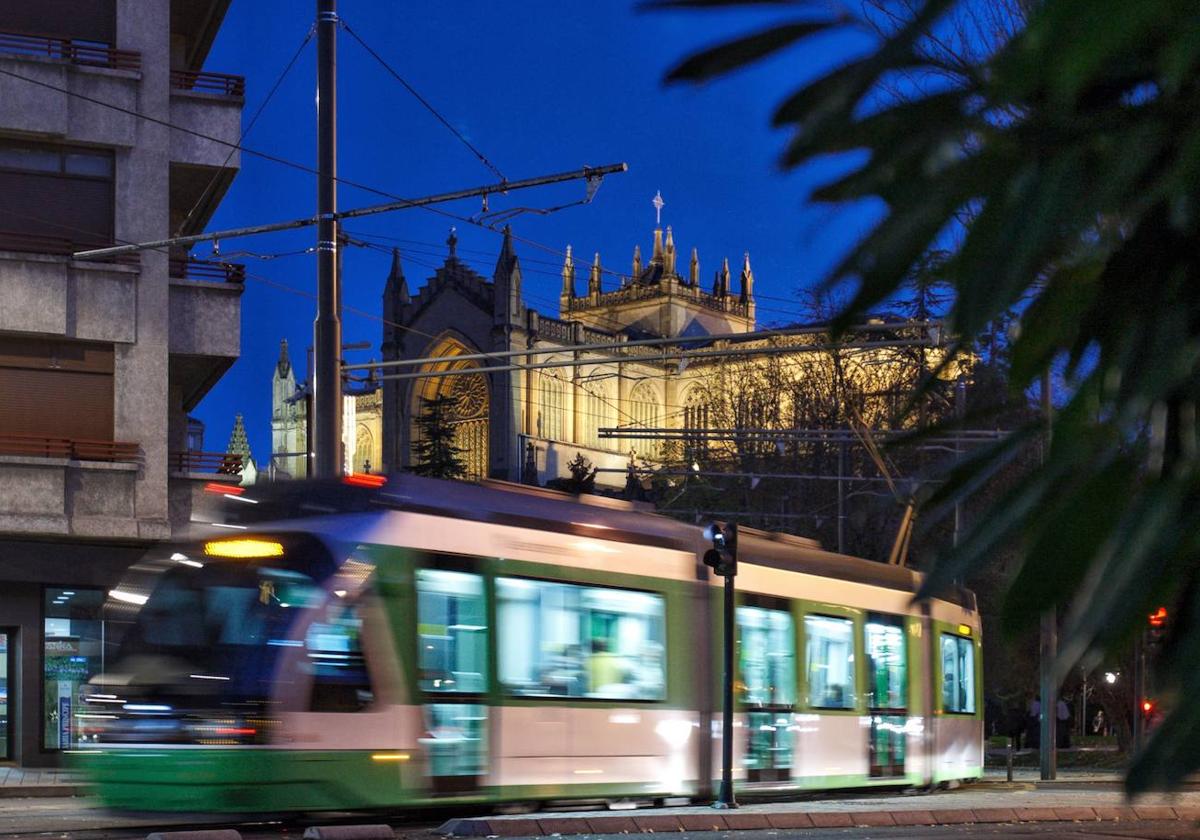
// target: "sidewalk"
[[39, 782], [984, 803]]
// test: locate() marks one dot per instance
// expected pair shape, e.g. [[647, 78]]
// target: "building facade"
[[362, 424], [100, 360], [529, 422], [523, 418]]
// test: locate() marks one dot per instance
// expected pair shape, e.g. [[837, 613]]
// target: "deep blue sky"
[[539, 86]]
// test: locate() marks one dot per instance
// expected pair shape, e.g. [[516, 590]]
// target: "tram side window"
[[830, 655], [333, 645], [452, 631], [565, 640], [958, 674], [887, 667], [767, 656]]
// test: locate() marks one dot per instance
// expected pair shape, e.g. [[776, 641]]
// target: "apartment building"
[[106, 120]]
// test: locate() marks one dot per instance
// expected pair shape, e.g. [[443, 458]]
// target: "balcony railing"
[[59, 246], [58, 447], [214, 271], [222, 84], [217, 463], [90, 53]]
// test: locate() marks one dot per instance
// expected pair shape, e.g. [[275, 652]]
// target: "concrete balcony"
[[36, 107], [205, 325], [209, 104], [57, 496], [56, 295], [196, 485]]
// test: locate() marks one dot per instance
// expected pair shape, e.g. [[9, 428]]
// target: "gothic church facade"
[[518, 418]]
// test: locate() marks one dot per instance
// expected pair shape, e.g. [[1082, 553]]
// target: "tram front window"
[[198, 661]]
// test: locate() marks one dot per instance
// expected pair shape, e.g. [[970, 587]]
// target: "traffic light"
[[722, 557], [1156, 631]]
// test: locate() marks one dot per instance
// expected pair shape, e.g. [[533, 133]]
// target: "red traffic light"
[[1158, 618], [1147, 706]]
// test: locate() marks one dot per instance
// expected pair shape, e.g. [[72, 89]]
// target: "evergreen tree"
[[436, 454]]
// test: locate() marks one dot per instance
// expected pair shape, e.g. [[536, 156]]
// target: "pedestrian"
[[1099, 724], [1062, 712]]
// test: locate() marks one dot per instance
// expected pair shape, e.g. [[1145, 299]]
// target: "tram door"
[[887, 694], [452, 634], [767, 665]]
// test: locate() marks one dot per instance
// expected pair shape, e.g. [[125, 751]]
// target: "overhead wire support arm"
[[584, 173]]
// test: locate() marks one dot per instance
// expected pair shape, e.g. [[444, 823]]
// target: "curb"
[[43, 791], [749, 820]]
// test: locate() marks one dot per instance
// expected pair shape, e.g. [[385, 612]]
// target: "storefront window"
[[4, 752], [76, 649]]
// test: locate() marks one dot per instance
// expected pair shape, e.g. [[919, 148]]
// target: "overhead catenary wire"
[[245, 131], [585, 173], [425, 102]]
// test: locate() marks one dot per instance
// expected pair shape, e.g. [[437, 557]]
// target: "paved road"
[[78, 818]]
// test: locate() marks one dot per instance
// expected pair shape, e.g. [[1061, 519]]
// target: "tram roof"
[[506, 503]]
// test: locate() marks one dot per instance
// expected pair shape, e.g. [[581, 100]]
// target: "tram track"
[[77, 818]]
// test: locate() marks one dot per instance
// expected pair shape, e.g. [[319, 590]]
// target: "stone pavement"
[[26, 781], [985, 803]]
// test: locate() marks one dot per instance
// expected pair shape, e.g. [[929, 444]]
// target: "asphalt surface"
[[79, 818]]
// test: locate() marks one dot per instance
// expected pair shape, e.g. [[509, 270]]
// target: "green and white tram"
[[339, 647]]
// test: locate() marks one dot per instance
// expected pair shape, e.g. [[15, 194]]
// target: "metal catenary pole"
[[327, 329]]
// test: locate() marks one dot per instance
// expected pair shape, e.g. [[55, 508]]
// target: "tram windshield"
[[225, 622], [208, 632]]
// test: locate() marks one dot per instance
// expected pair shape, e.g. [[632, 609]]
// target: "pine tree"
[[435, 452]]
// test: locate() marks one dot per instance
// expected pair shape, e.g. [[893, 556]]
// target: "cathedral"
[[362, 424], [519, 418]]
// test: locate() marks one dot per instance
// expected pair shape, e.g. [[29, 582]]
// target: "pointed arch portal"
[[470, 391]]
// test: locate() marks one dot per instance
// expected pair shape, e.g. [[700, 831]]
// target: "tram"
[[328, 646]]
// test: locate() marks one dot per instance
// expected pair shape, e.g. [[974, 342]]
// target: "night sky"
[[538, 87]]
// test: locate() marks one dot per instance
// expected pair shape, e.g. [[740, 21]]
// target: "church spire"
[[284, 364], [594, 280], [694, 270], [568, 280], [669, 253], [506, 279], [452, 243], [637, 261], [396, 287], [721, 283], [239, 444], [747, 290], [656, 257]]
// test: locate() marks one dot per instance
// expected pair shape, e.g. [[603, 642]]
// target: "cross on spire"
[[658, 203]]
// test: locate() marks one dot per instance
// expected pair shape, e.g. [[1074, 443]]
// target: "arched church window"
[[470, 398], [552, 406], [363, 446], [645, 413], [696, 419], [599, 411]]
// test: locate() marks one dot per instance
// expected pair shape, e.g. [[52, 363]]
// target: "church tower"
[[289, 414], [656, 299]]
